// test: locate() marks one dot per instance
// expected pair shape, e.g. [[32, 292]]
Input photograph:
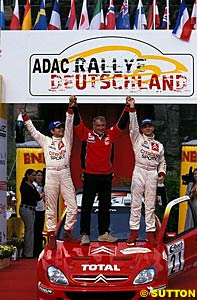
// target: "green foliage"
[[172, 183], [17, 242], [6, 251]]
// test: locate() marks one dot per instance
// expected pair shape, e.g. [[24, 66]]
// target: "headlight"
[[56, 276], [145, 276]]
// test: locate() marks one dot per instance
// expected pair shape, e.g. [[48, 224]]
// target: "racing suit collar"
[[148, 138], [56, 138]]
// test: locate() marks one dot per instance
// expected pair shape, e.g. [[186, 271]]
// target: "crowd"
[[40, 192]]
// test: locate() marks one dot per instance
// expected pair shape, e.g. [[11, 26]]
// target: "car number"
[[176, 257]]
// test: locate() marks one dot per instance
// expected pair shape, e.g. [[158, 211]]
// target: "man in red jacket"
[[97, 166]]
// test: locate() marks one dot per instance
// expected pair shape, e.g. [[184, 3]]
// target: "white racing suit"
[[57, 153], [149, 163]]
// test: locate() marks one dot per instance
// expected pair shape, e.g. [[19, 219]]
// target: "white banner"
[[3, 179], [98, 66]]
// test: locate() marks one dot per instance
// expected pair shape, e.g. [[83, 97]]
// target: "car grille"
[[100, 279]]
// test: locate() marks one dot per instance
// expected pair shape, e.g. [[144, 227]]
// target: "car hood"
[[100, 259]]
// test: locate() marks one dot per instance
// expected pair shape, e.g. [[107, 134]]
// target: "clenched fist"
[[130, 101], [72, 101]]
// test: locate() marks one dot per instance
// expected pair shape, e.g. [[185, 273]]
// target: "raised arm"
[[68, 133], [79, 126], [36, 135], [134, 130], [124, 118]]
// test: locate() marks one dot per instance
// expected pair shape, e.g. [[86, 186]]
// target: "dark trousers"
[[96, 185], [38, 228], [28, 217]]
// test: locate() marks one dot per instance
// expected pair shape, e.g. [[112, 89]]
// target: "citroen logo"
[[103, 249], [100, 277]]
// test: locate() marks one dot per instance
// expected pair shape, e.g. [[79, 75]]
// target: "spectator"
[[192, 193], [97, 165], [149, 171], [29, 199], [57, 151], [39, 214]]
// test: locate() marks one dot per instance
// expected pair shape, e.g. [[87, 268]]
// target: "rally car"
[[117, 271]]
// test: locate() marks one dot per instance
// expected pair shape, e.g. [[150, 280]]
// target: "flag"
[[154, 19], [122, 19], [140, 22], [41, 19], [183, 27], [2, 16], [71, 23], [194, 15], [110, 22], [165, 19], [84, 20], [97, 21], [55, 22], [27, 21], [15, 23]]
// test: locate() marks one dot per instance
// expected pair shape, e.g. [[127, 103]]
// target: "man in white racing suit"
[[149, 170], [57, 152]]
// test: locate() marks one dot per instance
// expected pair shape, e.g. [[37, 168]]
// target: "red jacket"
[[97, 153]]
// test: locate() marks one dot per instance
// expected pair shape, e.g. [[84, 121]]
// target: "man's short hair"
[[100, 118]]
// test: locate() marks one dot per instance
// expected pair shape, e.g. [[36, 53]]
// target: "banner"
[[98, 66], [30, 158], [3, 173], [27, 158], [188, 164]]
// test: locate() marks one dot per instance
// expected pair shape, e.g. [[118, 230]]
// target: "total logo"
[[100, 267]]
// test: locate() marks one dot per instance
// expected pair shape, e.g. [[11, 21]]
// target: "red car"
[[104, 271]]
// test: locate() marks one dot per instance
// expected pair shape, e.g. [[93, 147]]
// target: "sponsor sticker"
[[135, 250]]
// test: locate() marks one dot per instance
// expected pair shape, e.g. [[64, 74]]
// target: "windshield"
[[119, 224]]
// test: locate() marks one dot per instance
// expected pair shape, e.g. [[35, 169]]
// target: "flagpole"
[[168, 17], [154, 2], [140, 18]]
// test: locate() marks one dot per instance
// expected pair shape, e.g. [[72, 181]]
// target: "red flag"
[[84, 19], [71, 23], [154, 19], [194, 16], [15, 23], [110, 22]]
